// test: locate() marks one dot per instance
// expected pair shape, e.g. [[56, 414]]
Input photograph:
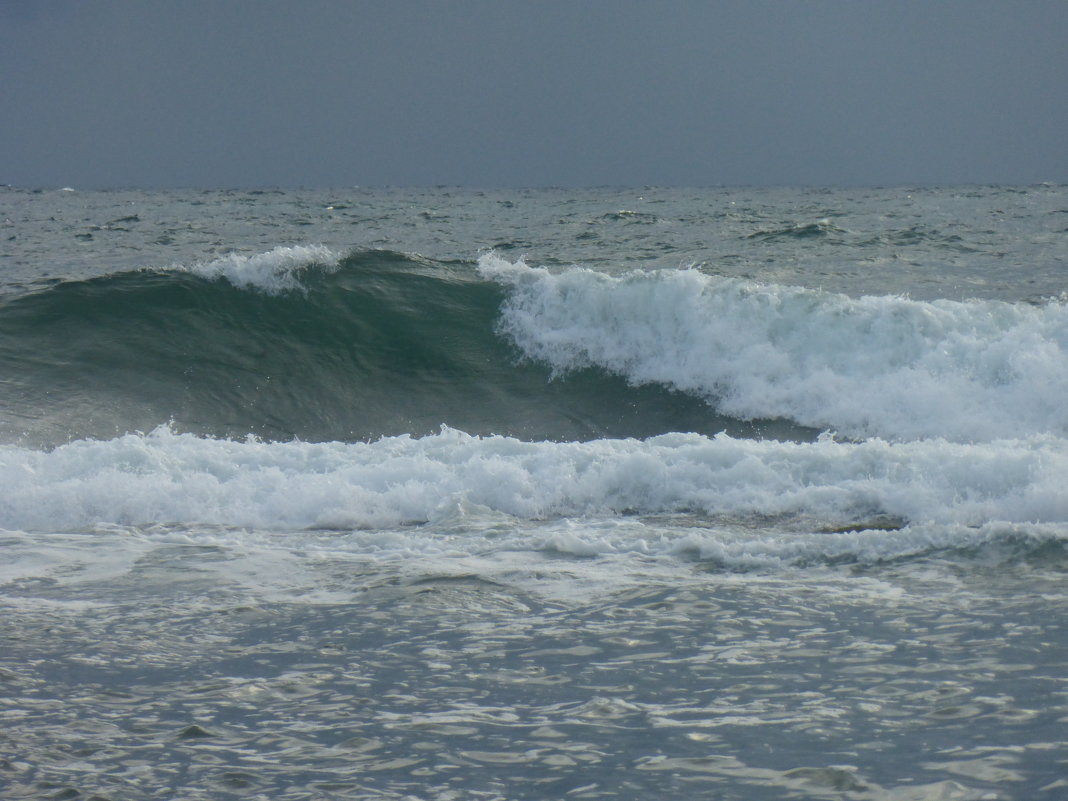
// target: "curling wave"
[[301, 342], [871, 366]]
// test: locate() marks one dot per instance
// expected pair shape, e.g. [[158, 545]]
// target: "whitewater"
[[445, 494], [870, 366]]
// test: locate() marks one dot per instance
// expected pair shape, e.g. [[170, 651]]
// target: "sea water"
[[618, 493]]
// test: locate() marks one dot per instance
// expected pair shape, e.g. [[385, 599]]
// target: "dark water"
[[443, 494], [378, 343]]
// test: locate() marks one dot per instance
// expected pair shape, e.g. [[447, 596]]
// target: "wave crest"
[[871, 366], [275, 271]]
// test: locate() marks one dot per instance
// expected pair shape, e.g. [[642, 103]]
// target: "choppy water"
[[447, 494]]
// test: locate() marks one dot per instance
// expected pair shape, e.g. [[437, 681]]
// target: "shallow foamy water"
[[245, 669]]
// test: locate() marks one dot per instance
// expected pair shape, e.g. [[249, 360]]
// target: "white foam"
[[871, 366], [275, 271], [68, 558], [163, 477]]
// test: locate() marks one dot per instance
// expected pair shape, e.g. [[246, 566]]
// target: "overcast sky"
[[512, 93]]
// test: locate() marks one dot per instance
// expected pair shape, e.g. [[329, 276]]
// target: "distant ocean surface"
[[443, 494]]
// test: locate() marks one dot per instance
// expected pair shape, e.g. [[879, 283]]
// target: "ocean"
[[444, 494]]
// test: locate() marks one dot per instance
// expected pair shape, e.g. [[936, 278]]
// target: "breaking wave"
[[873, 366]]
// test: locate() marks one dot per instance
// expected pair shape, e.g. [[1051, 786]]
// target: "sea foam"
[[872, 366], [165, 477]]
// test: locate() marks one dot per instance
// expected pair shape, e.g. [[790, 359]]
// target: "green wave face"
[[381, 344]]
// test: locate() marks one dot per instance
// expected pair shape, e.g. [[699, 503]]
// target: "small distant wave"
[[871, 366], [921, 235], [824, 230], [628, 216], [819, 229]]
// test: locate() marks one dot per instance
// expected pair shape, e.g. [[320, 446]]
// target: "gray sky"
[[534, 93]]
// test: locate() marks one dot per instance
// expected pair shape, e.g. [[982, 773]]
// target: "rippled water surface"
[[907, 681]]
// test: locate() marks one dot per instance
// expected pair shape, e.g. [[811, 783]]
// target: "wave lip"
[[888, 367], [277, 270]]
